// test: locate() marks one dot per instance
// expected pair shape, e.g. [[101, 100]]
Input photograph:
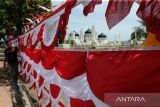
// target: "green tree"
[[139, 31], [14, 12]]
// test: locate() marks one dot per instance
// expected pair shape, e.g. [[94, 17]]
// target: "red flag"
[[149, 11], [117, 10], [89, 8], [65, 16]]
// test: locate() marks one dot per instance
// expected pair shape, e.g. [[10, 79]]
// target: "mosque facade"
[[90, 39]]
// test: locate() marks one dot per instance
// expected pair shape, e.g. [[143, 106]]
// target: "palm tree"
[[139, 31]]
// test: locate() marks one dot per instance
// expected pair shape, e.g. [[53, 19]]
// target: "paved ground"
[[5, 91], [5, 96], [10, 96], [5, 87], [11, 93]]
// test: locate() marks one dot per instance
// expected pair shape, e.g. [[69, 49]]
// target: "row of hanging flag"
[[58, 75], [116, 11]]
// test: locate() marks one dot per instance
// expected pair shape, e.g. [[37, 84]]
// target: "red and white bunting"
[[14, 42], [71, 78]]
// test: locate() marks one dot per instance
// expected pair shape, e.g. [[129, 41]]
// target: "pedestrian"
[[11, 55]]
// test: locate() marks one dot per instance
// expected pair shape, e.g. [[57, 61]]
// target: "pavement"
[[13, 94], [5, 96], [10, 95], [5, 87], [5, 91]]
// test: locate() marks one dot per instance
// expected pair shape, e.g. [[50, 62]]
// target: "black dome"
[[76, 34], [88, 31], [102, 35]]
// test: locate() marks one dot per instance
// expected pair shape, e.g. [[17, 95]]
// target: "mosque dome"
[[88, 31], [102, 35], [76, 34]]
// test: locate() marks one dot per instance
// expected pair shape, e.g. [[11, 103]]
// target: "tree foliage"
[[139, 31], [14, 12]]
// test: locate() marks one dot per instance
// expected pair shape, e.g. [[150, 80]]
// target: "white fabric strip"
[[51, 27]]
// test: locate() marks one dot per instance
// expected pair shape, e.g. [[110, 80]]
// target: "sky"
[[97, 18]]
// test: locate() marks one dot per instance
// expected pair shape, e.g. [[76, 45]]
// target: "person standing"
[[11, 55]]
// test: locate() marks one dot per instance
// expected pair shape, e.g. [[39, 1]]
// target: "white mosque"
[[89, 39]]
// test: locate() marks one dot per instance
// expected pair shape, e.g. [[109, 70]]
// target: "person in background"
[[11, 55]]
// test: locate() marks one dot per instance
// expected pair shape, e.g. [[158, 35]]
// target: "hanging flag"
[[65, 17], [149, 12], [57, 21], [53, 67], [46, 32], [117, 10], [89, 6]]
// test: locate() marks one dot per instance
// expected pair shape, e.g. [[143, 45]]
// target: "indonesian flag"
[[47, 30], [117, 10], [149, 11]]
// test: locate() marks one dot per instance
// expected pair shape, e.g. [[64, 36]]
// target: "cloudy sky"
[[97, 18]]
